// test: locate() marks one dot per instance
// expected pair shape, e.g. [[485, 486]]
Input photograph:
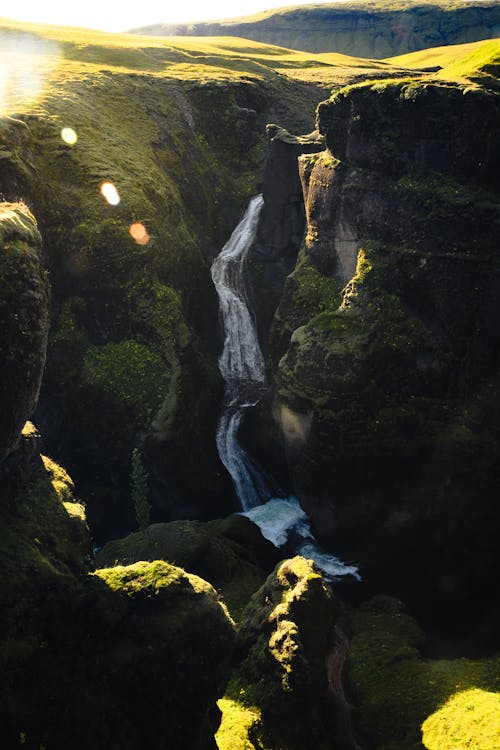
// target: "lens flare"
[[69, 136], [139, 233], [26, 65], [110, 193]]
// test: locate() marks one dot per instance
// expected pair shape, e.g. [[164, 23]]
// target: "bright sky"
[[121, 15]]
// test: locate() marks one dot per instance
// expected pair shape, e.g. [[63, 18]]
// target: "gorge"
[[358, 386]]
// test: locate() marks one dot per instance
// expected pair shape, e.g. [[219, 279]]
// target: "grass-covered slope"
[[368, 28], [478, 62], [179, 130]]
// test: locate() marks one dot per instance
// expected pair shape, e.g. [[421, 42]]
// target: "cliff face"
[[360, 29], [24, 319], [120, 658], [387, 390]]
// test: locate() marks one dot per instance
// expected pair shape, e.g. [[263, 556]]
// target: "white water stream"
[[242, 367]]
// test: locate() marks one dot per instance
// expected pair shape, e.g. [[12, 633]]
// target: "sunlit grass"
[[458, 62], [429, 58], [469, 719], [65, 53]]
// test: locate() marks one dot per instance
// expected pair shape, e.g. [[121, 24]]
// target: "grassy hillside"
[[64, 55], [368, 28], [478, 61]]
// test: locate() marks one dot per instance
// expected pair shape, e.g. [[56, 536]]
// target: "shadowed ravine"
[[243, 369]]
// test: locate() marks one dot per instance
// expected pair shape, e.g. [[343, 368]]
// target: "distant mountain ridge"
[[364, 29]]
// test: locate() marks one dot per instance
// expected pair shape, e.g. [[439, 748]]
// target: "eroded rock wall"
[[391, 364]]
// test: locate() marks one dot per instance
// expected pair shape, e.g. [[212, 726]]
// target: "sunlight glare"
[[69, 136], [26, 63], [139, 233], [110, 193]]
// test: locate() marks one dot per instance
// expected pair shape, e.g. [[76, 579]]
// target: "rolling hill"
[[369, 28]]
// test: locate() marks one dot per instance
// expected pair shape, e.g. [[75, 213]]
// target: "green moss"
[[237, 725], [61, 481], [394, 687], [16, 221], [142, 576], [469, 719], [283, 640], [130, 372], [231, 554]]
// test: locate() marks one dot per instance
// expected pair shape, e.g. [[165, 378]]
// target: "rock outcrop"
[[392, 366], [282, 222], [124, 657], [230, 553], [24, 320], [282, 646]]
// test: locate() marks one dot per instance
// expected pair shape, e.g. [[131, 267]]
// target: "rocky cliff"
[[363, 29], [109, 658], [24, 318], [386, 391]]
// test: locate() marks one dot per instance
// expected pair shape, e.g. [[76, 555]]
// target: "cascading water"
[[242, 367], [241, 362]]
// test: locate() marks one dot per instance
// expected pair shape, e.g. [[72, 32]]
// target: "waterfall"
[[241, 362], [243, 369]]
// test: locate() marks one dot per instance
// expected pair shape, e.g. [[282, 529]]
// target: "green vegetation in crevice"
[[308, 292], [396, 691], [363, 315], [130, 373]]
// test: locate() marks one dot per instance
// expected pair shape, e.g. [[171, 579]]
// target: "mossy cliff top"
[[399, 126], [24, 311]]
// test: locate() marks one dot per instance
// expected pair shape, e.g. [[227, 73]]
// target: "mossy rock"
[[283, 641], [398, 693], [119, 658], [24, 305], [394, 374], [232, 554]]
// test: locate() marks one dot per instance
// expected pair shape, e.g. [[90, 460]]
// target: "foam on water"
[[282, 518]]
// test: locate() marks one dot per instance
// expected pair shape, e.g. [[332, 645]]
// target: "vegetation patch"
[[469, 719], [396, 690]]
